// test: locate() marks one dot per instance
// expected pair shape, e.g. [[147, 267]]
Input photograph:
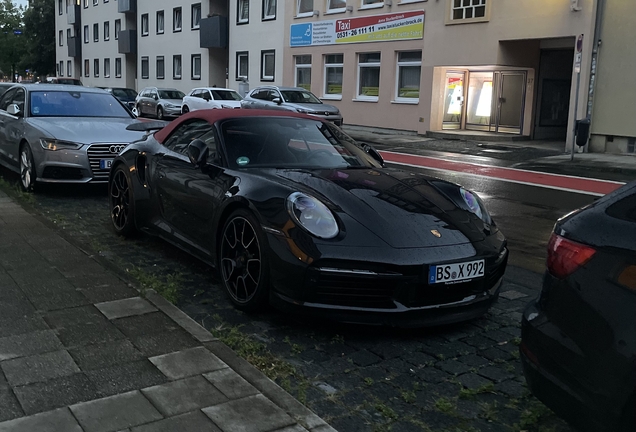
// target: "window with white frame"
[[242, 64], [268, 65], [69, 68], [409, 70], [95, 2], [95, 32], [145, 68], [372, 2], [117, 28], [468, 9], [106, 30], [85, 4], [303, 71], [86, 36], [305, 8], [96, 67], [106, 68], [87, 65], [68, 34], [117, 68], [59, 7], [176, 19], [60, 68], [176, 67], [144, 25], [160, 22], [60, 38], [243, 12], [195, 64], [333, 76], [336, 5], [368, 76], [196, 16], [161, 67], [269, 9]]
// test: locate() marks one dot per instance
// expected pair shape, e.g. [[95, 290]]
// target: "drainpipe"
[[600, 9]]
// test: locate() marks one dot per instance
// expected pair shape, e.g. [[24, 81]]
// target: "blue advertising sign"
[[301, 34]]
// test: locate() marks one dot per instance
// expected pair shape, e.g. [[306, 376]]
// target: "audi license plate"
[[457, 272], [105, 163]]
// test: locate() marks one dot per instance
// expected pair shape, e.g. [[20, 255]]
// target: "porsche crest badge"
[[436, 233]]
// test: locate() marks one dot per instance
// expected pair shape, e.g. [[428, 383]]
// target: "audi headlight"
[[312, 215], [53, 145], [475, 205]]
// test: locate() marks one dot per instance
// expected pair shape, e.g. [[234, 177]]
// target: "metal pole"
[[576, 109]]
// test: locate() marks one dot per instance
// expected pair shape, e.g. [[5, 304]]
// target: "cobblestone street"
[[462, 378]]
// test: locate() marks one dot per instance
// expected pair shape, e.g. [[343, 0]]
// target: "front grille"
[[356, 291], [62, 173], [97, 152]]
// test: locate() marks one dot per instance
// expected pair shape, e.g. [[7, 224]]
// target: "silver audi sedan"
[[61, 133]]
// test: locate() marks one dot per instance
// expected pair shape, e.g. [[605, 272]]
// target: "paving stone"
[[101, 356], [55, 299], [512, 295], [28, 344], [473, 381], [231, 384], [294, 428], [480, 342], [431, 375], [474, 360], [103, 292], [495, 373], [125, 308], [511, 387], [498, 336], [115, 412], [418, 358], [178, 397], [191, 422], [323, 428], [188, 362], [9, 405], [351, 423], [52, 421], [82, 326], [495, 354], [125, 377], [263, 415], [453, 367], [404, 426], [163, 343], [22, 324], [56, 393], [364, 358], [41, 367], [147, 324]]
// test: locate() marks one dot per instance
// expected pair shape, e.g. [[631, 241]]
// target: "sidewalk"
[[531, 155], [82, 351]]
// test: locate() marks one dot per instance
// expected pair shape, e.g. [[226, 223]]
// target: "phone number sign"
[[375, 28]]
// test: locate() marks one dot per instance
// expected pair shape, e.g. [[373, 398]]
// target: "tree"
[[12, 41], [39, 29]]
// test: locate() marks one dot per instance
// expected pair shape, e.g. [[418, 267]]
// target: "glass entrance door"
[[480, 101], [511, 102], [453, 101]]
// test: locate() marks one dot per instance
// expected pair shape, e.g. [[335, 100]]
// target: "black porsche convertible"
[[293, 212]]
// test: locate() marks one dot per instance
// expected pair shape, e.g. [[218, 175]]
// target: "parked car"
[[578, 345], [210, 98], [159, 102], [62, 80], [291, 99], [127, 96], [61, 134], [293, 211]]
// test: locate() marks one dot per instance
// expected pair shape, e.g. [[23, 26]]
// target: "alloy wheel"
[[26, 168], [120, 201], [241, 260], [186, 110], [160, 113]]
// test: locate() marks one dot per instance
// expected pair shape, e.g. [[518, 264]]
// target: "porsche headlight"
[[53, 145], [475, 205], [312, 215]]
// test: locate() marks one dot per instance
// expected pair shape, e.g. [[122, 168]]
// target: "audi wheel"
[[27, 169]]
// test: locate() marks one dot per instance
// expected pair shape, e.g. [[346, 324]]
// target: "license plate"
[[457, 272], [105, 163]]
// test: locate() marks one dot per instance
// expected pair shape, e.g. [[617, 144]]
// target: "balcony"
[[127, 41], [74, 15], [74, 47], [213, 32], [127, 6]]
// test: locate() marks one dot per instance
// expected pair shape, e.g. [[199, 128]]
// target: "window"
[[107, 68], [372, 2], [95, 32], [145, 68], [144, 25], [196, 16], [106, 30], [305, 8], [60, 38], [85, 4], [268, 65], [160, 22], [176, 67], [59, 7], [409, 69], [368, 76], [87, 65], [117, 68], [96, 67], [467, 9], [117, 28], [269, 9], [95, 2], [161, 67], [303, 71], [86, 34], [176, 19], [60, 68], [69, 68], [333, 76], [68, 34], [243, 12], [196, 66], [336, 5], [242, 64], [182, 136]]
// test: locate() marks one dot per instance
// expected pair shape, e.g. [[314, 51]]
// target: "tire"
[[185, 109], [242, 262], [160, 115], [27, 169], [121, 203]]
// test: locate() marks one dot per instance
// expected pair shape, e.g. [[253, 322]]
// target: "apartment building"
[[141, 43]]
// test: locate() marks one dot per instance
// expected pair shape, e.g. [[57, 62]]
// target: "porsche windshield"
[[75, 104], [275, 142]]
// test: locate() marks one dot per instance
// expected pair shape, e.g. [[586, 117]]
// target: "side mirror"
[[14, 109], [198, 153], [155, 97], [277, 101], [371, 151]]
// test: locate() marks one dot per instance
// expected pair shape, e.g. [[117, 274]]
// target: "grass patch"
[[386, 411], [531, 416], [468, 393], [15, 191], [168, 287], [445, 405]]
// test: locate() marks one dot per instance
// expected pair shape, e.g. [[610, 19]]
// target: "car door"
[[207, 101], [143, 101], [11, 127], [153, 101], [193, 100], [255, 99]]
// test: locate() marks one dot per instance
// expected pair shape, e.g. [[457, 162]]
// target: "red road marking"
[[554, 181]]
